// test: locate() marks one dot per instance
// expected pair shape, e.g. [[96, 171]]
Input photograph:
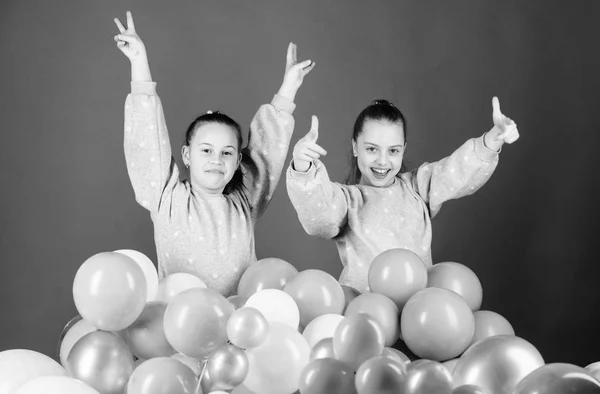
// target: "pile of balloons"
[[416, 330]]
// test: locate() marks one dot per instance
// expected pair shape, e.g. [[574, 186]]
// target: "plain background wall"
[[529, 234]]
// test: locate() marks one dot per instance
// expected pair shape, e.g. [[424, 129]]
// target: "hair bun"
[[381, 102]]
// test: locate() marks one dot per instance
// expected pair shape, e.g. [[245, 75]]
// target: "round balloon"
[[381, 375], [227, 367], [489, 324], [276, 306], [146, 336], [321, 327], [195, 322], [460, 279], [268, 273], [327, 376], [148, 268], [469, 389], [247, 328], [350, 293], [275, 365], [170, 286], [380, 308], [55, 385], [358, 338], [437, 324], [497, 363], [110, 291], [162, 375], [322, 349], [316, 293], [427, 376], [594, 369], [102, 360], [18, 366], [397, 274], [558, 378], [74, 334]]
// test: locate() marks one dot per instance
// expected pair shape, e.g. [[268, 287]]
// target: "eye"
[[371, 149], [228, 153], [394, 151], [205, 150]]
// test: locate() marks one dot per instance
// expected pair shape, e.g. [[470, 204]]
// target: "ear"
[[185, 154], [354, 151], [239, 161]]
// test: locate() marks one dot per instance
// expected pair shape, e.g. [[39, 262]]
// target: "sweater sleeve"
[[264, 157], [461, 174], [321, 205], [150, 164]]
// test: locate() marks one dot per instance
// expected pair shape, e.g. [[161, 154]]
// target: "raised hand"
[[306, 149], [128, 40], [507, 131], [294, 73]]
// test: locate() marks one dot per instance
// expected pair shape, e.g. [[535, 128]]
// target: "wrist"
[[287, 91], [490, 140]]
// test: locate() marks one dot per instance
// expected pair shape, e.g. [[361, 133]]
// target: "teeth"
[[379, 171]]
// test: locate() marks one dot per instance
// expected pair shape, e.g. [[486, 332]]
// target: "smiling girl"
[[383, 206], [204, 225]]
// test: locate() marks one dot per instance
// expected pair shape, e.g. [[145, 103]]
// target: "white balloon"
[[321, 327], [276, 306], [75, 333], [55, 385], [18, 366], [176, 283], [148, 268]]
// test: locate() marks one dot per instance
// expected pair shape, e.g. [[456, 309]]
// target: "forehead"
[[382, 133], [216, 134]]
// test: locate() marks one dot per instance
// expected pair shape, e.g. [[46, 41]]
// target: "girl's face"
[[379, 150], [212, 157]]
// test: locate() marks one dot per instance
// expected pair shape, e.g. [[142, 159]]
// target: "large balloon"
[[321, 327], [146, 336], [427, 376], [18, 366], [316, 293], [594, 369], [380, 308], [275, 365], [148, 268], [176, 283], [247, 328], [558, 378], [276, 306], [489, 324], [195, 322], [102, 360], [72, 334], [268, 273], [55, 385], [110, 291], [358, 338], [397, 274], [162, 375], [327, 376], [437, 324], [380, 375], [192, 363], [497, 363], [460, 279], [227, 367]]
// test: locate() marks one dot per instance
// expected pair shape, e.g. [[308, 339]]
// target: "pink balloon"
[[327, 376], [380, 375], [162, 375], [195, 322], [146, 336], [437, 324], [316, 293], [397, 274], [458, 278], [489, 324], [110, 291], [358, 338], [380, 308], [268, 273]]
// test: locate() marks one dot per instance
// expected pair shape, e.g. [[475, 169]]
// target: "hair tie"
[[209, 112]]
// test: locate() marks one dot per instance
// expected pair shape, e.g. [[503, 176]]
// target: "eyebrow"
[[393, 146], [208, 143]]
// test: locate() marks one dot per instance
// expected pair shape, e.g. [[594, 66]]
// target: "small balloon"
[[276, 306], [381, 375], [358, 338], [170, 286], [268, 273], [227, 367], [247, 327], [162, 375], [321, 327], [380, 308], [146, 336], [489, 324], [395, 354], [427, 376], [327, 376], [460, 279], [73, 334]]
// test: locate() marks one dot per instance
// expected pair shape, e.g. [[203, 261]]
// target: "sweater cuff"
[[148, 88], [483, 152], [300, 176], [283, 104]]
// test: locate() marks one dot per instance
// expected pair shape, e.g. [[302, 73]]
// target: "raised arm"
[[468, 168], [321, 204], [151, 167], [270, 133]]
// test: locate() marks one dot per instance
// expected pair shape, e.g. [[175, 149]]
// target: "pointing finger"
[[496, 107], [119, 25], [130, 24]]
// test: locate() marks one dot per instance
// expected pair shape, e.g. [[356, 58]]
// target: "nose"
[[382, 159], [216, 159]]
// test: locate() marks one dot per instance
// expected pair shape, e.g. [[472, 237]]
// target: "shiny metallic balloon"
[[396, 355], [381, 375], [327, 376], [322, 349], [497, 363], [247, 328], [102, 360], [427, 376], [227, 367], [594, 369], [469, 389], [558, 378]]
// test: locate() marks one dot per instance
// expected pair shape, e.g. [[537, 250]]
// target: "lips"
[[380, 173], [215, 171]]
